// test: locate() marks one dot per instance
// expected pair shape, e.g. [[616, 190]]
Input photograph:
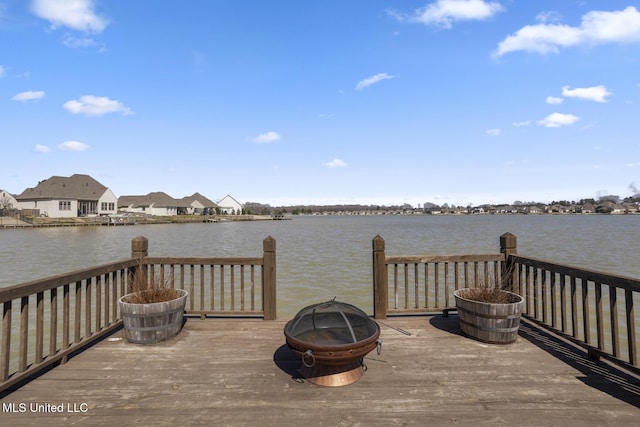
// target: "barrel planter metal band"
[[488, 322], [150, 323]]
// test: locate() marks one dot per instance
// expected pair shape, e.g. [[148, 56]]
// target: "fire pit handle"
[[379, 346], [308, 355]]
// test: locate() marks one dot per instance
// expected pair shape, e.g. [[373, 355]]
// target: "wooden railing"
[[57, 316], [47, 320], [593, 309], [220, 286], [582, 305], [425, 283]]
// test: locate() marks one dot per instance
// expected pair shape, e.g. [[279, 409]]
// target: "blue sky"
[[286, 102]]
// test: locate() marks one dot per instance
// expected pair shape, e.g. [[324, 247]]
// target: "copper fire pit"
[[332, 338]]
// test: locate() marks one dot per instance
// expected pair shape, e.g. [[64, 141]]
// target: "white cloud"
[[443, 13], [335, 163], [594, 93], [41, 148], [373, 80], [73, 146], [557, 120], [265, 138], [493, 132], [554, 100], [597, 27], [522, 123], [95, 106], [75, 42], [28, 96], [75, 14], [548, 16]]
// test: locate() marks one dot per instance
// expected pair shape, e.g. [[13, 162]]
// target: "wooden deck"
[[230, 372]]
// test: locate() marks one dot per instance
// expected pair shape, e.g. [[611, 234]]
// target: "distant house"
[[7, 202], [156, 204], [198, 204], [69, 197], [532, 210], [230, 206]]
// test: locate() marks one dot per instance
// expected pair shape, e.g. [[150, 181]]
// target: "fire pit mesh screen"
[[332, 323]]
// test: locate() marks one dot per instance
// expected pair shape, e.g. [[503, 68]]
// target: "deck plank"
[[232, 372]]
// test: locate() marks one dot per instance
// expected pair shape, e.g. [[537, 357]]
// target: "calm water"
[[319, 258]]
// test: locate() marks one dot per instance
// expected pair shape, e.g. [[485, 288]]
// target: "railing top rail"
[[41, 285], [619, 281], [204, 260], [413, 259]]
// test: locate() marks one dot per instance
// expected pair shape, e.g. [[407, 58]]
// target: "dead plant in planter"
[[153, 311], [488, 289], [156, 289], [488, 311]]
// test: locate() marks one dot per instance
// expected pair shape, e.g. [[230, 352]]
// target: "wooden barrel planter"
[[154, 322], [489, 322]]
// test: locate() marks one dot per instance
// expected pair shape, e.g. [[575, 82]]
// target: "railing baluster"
[[107, 298], [242, 287], [66, 323], [39, 326], [585, 312], [446, 284], [536, 290], [631, 327], [613, 311], [253, 286], [6, 340], [98, 304], [599, 316], [212, 297], [456, 276], [543, 294], [563, 303], [406, 285], [436, 267], [553, 298], [574, 308], [192, 287], [426, 284], [53, 321], [87, 308], [182, 282], [78, 309], [416, 290], [232, 285], [202, 289], [24, 333], [222, 287], [395, 285]]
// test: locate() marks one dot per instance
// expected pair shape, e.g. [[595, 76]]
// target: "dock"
[[239, 372]]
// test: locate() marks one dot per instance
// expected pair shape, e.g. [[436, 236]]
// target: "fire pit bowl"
[[332, 338]]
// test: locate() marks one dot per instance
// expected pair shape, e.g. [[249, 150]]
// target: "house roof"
[[158, 199], [207, 203], [77, 186], [227, 197]]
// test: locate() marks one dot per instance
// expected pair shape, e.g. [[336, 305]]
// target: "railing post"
[[269, 278], [380, 279], [139, 250], [508, 247]]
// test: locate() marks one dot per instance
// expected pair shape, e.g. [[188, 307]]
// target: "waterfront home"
[[7, 201], [198, 204], [68, 197], [229, 205], [156, 203]]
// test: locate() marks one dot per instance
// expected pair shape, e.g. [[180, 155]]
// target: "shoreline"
[[13, 223]]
